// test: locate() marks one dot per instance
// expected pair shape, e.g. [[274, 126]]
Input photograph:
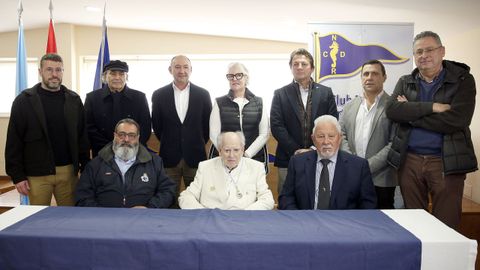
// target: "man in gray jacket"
[[367, 131], [432, 148]]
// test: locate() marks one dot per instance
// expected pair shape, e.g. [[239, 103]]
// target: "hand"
[[440, 107], [23, 187], [302, 150], [402, 98], [139, 206]]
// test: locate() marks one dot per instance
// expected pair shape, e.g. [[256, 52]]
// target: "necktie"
[[324, 187]]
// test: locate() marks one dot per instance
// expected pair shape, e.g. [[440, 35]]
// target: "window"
[[8, 70], [148, 73]]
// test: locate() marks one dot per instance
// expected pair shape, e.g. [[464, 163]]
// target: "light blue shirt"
[[318, 172], [124, 165]]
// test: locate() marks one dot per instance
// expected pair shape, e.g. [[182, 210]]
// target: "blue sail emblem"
[[336, 56]]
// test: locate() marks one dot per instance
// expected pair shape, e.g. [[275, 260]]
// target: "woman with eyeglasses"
[[241, 110]]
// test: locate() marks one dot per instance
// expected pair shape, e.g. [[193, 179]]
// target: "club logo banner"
[[340, 49], [336, 56]]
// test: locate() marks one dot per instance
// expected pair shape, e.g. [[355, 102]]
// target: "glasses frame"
[[122, 135], [427, 51], [237, 76]]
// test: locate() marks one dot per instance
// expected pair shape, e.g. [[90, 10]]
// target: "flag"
[[336, 56], [51, 42], [103, 54], [21, 73]]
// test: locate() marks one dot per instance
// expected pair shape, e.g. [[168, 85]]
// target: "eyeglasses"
[[56, 70], [427, 51], [123, 135], [237, 76]]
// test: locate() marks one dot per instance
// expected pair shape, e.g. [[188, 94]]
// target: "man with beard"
[[125, 174], [328, 178], [47, 140]]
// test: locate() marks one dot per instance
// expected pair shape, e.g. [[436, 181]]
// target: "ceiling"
[[283, 20]]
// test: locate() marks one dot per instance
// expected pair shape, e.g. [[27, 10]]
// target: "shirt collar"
[[332, 159], [126, 162], [180, 90]]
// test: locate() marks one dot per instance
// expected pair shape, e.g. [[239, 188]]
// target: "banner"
[[340, 49]]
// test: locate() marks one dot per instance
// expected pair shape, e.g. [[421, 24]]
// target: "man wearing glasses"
[[432, 149], [47, 140], [125, 174]]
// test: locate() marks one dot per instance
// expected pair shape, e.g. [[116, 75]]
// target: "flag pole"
[[21, 65]]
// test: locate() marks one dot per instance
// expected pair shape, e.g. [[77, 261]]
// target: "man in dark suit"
[[294, 107], [180, 116], [327, 178], [115, 101]]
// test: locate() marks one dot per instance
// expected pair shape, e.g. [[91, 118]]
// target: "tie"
[[324, 187]]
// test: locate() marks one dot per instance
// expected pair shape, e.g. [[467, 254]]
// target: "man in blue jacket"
[[125, 174], [328, 178]]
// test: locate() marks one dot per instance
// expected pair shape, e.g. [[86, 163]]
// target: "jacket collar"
[[105, 92], [248, 95]]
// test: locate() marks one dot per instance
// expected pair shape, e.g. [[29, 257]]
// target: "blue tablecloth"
[[100, 238]]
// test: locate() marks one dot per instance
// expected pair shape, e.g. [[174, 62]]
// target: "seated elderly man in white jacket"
[[230, 181]]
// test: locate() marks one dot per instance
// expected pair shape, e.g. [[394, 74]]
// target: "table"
[[84, 238]]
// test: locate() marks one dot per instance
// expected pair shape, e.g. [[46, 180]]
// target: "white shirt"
[[181, 100], [124, 165], [263, 128], [232, 177], [363, 125], [318, 172]]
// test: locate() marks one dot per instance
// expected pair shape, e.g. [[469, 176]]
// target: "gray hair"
[[238, 133], [128, 121], [425, 34], [326, 118], [242, 67]]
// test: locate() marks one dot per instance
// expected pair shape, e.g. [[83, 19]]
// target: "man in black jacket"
[[125, 174], [294, 108], [47, 140], [432, 148], [115, 101], [180, 117]]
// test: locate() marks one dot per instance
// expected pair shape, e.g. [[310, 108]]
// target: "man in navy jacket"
[[349, 182], [180, 117]]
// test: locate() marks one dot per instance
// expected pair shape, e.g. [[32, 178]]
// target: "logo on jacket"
[[144, 177]]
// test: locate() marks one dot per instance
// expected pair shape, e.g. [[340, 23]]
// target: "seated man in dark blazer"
[[327, 178]]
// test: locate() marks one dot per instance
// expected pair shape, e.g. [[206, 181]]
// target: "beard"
[[125, 151], [51, 85]]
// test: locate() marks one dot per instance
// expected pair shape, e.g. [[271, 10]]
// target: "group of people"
[[417, 138]]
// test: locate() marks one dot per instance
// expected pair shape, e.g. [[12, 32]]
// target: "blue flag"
[[21, 74], [338, 57], [103, 56]]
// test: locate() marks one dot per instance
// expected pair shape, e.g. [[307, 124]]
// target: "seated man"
[[327, 178], [229, 181], [125, 174]]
